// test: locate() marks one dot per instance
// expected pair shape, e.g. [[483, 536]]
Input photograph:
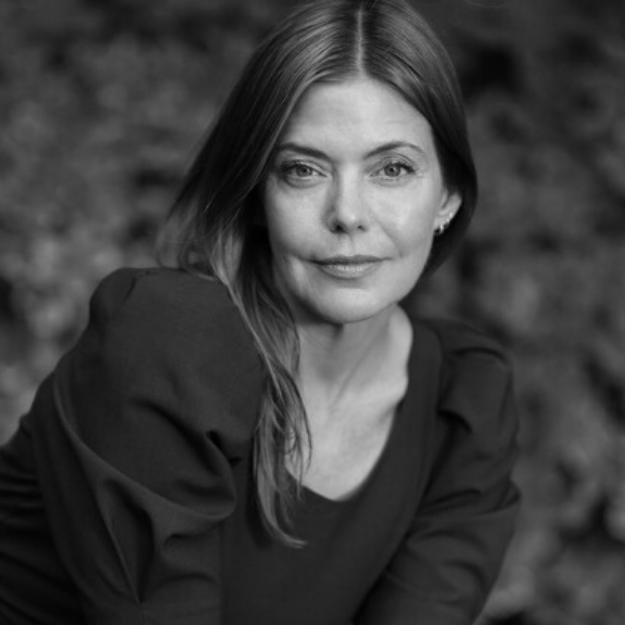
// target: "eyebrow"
[[315, 153]]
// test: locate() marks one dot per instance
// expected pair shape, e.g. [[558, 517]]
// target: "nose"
[[347, 210]]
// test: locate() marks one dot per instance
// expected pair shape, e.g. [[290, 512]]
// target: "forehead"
[[361, 112]]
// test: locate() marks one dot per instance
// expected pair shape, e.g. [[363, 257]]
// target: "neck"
[[334, 358]]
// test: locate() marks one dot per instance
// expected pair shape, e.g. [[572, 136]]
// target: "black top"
[[126, 498]]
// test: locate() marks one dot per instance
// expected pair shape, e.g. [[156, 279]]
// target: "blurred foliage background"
[[102, 102]]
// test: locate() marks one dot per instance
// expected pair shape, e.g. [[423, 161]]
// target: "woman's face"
[[352, 198]]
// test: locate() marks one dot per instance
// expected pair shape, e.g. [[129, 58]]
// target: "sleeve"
[[135, 434], [449, 559]]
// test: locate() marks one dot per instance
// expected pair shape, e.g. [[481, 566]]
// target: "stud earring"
[[442, 227]]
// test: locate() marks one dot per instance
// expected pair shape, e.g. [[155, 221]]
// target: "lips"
[[349, 267], [357, 259]]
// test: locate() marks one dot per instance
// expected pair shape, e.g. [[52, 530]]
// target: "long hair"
[[215, 227]]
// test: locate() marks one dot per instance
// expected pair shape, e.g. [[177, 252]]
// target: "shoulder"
[[167, 339], [463, 348], [458, 339], [475, 389], [167, 308], [168, 327], [161, 291]]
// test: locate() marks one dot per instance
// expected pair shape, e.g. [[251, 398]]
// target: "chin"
[[344, 311]]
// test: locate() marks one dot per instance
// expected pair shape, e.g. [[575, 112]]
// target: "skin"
[[351, 201]]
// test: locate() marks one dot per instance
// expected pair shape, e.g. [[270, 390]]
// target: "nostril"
[[347, 223], [347, 212], [347, 219]]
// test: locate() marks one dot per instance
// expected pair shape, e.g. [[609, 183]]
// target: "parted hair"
[[215, 226]]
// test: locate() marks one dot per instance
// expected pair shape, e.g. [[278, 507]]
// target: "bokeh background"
[[102, 102]]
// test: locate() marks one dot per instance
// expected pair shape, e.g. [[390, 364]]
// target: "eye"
[[299, 173], [395, 169]]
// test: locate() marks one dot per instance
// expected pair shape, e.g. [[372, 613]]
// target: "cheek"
[[413, 252], [414, 232], [285, 233], [286, 239], [290, 226]]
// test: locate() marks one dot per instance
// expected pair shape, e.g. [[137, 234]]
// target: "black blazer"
[[126, 486]]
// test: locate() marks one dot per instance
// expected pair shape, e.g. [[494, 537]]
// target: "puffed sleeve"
[[135, 434], [449, 559]]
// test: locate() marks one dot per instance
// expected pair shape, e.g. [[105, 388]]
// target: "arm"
[[134, 436], [448, 562]]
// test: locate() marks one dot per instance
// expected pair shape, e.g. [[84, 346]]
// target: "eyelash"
[[407, 169], [289, 169]]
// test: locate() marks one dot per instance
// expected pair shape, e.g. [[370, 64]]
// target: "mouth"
[[358, 259], [349, 267]]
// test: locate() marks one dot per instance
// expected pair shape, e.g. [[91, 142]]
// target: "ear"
[[447, 210]]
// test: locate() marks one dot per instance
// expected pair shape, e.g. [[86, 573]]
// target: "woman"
[[263, 435]]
